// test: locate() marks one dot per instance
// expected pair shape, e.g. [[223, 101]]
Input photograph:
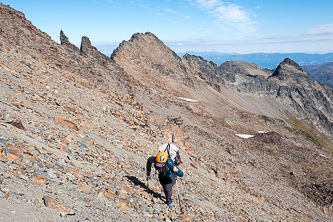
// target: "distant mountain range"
[[319, 66], [265, 60]]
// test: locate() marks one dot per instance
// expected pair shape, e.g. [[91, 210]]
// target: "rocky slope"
[[322, 73], [77, 127]]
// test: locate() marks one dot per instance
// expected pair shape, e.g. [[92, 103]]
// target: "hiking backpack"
[[172, 151]]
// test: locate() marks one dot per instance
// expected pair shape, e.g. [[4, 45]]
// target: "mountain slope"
[[322, 73], [77, 127]]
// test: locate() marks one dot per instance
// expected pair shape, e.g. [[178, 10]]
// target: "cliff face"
[[289, 84], [310, 98], [76, 128]]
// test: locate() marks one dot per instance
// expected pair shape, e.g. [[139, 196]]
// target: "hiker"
[[173, 152], [167, 173]]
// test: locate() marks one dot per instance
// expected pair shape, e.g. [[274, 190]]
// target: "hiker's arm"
[[148, 166], [177, 171]]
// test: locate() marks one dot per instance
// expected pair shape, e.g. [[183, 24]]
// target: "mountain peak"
[[148, 40], [138, 35], [289, 70], [149, 60], [291, 62]]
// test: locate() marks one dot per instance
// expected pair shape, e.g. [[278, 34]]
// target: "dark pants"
[[167, 184]]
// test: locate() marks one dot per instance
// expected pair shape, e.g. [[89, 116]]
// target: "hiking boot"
[[170, 205]]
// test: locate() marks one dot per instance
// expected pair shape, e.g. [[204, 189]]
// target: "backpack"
[[172, 151]]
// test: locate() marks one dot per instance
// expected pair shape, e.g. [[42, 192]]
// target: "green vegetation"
[[252, 164], [265, 118], [284, 169], [309, 132], [228, 150]]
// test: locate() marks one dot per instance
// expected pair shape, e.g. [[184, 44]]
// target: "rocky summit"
[[77, 127]]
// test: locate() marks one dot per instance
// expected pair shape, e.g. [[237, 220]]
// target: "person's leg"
[[162, 182], [167, 184]]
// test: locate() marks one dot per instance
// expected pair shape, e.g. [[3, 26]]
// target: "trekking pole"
[[147, 183], [180, 204]]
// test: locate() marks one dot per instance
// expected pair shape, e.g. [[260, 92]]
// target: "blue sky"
[[233, 26]]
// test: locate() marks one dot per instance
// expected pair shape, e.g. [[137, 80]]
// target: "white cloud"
[[322, 32], [228, 15], [284, 44], [176, 13], [232, 13], [206, 4]]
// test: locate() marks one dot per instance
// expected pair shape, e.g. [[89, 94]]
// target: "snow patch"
[[189, 100], [245, 136]]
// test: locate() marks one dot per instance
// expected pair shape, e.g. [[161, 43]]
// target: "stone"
[[14, 150], [18, 124], [52, 203], [67, 123], [185, 217], [9, 118], [51, 174], [39, 178], [24, 177], [12, 157]]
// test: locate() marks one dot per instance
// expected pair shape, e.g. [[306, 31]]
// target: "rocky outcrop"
[[206, 70], [66, 43], [27, 38], [88, 50], [312, 99], [245, 77]]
